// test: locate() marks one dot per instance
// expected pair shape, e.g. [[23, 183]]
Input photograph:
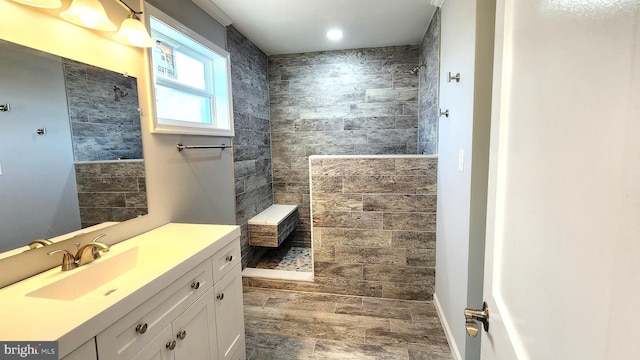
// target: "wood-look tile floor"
[[287, 325]]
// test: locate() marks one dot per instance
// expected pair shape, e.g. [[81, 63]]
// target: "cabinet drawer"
[[225, 259], [131, 333]]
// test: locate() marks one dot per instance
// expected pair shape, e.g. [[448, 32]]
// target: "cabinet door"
[[86, 351], [229, 315], [194, 331], [123, 339], [158, 348]]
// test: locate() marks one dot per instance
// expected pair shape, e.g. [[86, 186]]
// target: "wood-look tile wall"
[[111, 191], [347, 102], [252, 143], [428, 111], [103, 126], [374, 222]]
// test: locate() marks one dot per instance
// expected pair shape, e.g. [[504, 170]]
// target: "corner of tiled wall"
[[252, 143], [429, 84]]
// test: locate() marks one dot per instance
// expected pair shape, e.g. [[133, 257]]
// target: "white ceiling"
[[295, 26]]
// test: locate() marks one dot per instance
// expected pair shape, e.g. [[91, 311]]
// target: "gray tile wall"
[[103, 126], [252, 143], [374, 222], [347, 102], [111, 191], [428, 112], [374, 228]]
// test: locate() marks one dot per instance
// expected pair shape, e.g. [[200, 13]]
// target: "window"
[[191, 75]]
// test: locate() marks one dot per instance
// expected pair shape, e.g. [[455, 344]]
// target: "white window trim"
[[191, 128]]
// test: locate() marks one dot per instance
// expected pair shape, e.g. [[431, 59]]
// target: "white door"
[[563, 230]]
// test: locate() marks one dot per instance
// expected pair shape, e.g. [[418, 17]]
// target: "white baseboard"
[[447, 330]]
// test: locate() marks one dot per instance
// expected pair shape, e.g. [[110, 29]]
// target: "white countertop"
[[179, 248]]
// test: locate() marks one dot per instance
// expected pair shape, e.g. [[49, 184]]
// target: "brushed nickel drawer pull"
[[220, 296], [195, 285], [181, 335], [142, 328], [229, 258], [171, 345]]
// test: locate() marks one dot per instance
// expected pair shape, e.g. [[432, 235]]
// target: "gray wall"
[[37, 186], [252, 144], [428, 112], [189, 14], [466, 47], [347, 102], [190, 186]]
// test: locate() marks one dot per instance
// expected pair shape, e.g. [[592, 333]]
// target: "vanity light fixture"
[[89, 14], [44, 4], [132, 31]]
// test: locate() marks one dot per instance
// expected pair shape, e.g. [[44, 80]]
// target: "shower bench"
[[270, 227]]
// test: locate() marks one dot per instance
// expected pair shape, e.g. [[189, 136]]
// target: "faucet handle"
[[95, 250], [68, 260], [34, 244], [95, 239]]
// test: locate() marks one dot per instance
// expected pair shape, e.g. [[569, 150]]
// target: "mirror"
[[70, 147]]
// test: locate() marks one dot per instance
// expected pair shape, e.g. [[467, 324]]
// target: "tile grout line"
[[315, 344], [265, 302]]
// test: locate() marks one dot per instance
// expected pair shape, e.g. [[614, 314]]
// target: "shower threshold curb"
[[277, 274]]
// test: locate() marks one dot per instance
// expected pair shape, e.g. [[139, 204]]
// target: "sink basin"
[[99, 277]]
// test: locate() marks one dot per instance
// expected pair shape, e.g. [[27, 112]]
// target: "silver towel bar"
[[181, 147]]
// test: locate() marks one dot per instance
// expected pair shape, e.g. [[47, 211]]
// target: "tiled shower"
[[349, 102]]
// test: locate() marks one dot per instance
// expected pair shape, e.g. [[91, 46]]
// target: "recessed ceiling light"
[[334, 34]]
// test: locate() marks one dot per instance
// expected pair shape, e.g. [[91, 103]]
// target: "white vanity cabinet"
[[190, 336], [128, 335], [199, 316], [85, 352], [174, 292]]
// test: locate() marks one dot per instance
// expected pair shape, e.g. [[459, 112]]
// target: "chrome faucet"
[[85, 254]]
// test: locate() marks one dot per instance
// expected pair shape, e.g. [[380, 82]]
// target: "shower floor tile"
[[287, 259]]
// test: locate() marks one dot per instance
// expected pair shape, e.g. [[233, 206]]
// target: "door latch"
[[471, 316]]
